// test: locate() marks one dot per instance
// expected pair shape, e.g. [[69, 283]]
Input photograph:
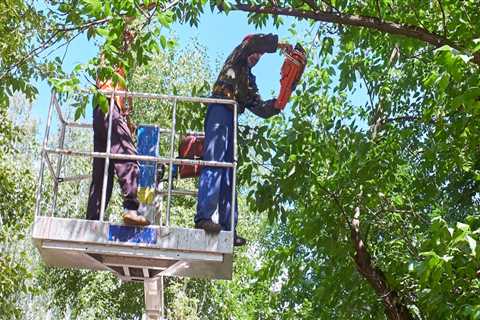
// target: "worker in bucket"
[[236, 82], [127, 171]]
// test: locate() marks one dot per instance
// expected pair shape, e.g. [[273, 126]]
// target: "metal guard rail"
[[108, 155]]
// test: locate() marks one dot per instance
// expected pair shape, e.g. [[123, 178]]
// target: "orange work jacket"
[[108, 85]]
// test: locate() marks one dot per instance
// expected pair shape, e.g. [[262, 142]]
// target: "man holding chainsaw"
[[236, 82]]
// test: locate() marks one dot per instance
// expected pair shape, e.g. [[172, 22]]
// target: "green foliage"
[[407, 158], [447, 274], [91, 295], [16, 208], [404, 157], [20, 27]]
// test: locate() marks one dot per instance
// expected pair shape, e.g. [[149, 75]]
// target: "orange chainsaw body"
[[291, 72]]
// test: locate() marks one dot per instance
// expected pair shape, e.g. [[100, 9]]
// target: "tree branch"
[[394, 308], [84, 26], [44, 46], [443, 18], [337, 202], [415, 118], [374, 23]]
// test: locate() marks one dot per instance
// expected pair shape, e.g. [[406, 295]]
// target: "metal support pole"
[[61, 143], [154, 303], [42, 155], [156, 96], [234, 169], [59, 111], [170, 168], [158, 204], [165, 160], [107, 159], [49, 164]]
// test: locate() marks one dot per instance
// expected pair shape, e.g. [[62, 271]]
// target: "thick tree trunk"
[[375, 23], [394, 308]]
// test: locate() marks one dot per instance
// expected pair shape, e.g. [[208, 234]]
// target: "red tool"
[[191, 147], [291, 72]]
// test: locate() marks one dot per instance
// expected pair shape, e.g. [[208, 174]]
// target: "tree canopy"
[[372, 204]]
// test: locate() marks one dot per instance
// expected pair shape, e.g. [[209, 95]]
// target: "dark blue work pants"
[[215, 188]]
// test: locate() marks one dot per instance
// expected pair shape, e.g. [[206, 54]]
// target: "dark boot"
[[239, 241], [209, 226]]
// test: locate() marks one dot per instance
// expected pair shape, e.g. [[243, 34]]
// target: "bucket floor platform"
[[133, 253]]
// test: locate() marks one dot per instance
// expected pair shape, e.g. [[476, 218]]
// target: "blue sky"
[[219, 33]]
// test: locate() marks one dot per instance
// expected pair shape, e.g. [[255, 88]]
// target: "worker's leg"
[[127, 170], [99, 145], [214, 149], [225, 205]]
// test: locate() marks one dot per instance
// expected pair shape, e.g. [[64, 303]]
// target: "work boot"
[[239, 241], [209, 226], [132, 218]]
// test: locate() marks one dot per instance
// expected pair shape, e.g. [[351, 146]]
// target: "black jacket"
[[236, 80]]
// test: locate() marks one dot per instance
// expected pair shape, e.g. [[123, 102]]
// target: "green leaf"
[[103, 32], [93, 6], [477, 45], [464, 227], [444, 48], [472, 244], [163, 41], [165, 19]]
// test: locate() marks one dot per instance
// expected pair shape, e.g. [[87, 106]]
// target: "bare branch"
[[170, 5], [413, 118], [141, 9]]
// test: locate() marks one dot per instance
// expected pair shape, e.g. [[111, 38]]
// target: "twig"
[[369, 91], [82, 27], [443, 18], [263, 165], [418, 18], [331, 6], [171, 5], [50, 41], [336, 200], [140, 8], [378, 10], [311, 4], [67, 43]]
